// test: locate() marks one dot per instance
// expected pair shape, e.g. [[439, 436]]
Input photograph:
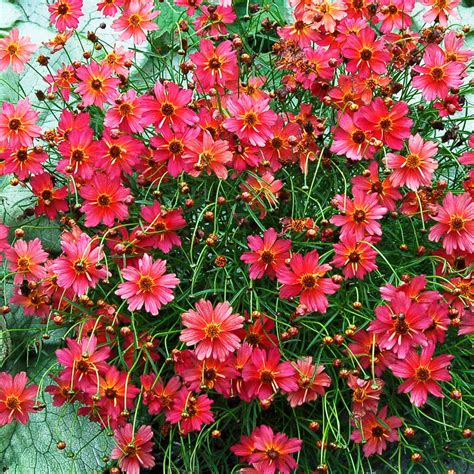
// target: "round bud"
[[61, 445], [409, 432], [416, 457], [314, 426]]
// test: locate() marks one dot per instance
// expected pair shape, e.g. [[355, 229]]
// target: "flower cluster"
[[263, 242]]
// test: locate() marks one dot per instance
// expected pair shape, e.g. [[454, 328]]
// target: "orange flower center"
[[167, 109], [130, 450], [422, 374], [206, 157], [437, 73], [12, 402], [456, 223], [250, 119], [267, 257], [413, 161], [23, 264], [125, 109], [366, 54], [304, 383], [145, 283], [309, 281], [14, 124], [175, 147], [12, 48], [135, 19], [359, 395], [80, 266], [103, 200], [212, 330]]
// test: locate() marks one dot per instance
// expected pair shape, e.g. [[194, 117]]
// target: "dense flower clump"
[[264, 232]]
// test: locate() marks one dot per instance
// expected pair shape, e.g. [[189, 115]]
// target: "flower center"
[[103, 200], [80, 266], [377, 431], [277, 143], [437, 73], [304, 383], [175, 147], [377, 187], [210, 375], [212, 330], [96, 84], [63, 9], [299, 25], [267, 257], [456, 223], [401, 327], [250, 119], [22, 155], [83, 366], [253, 339], [358, 137], [12, 49], [266, 376], [145, 283], [23, 264], [359, 215], [12, 402], [125, 109], [412, 161], [115, 151], [14, 124], [215, 63], [359, 395], [385, 124], [393, 10], [309, 281], [354, 256], [130, 450], [272, 454], [135, 19], [423, 374], [110, 393], [206, 157], [167, 109], [78, 155], [47, 195], [366, 54]]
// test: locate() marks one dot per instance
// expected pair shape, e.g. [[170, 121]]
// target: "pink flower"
[[25, 259], [126, 113], [416, 169], [18, 125], [147, 285], [97, 86], [422, 371], [16, 399], [264, 374], [375, 431], [267, 255], [133, 450], [136, 20], [251, 120], [400, 325], [211, 330], [65, 14], [15, 51], [305, 277], [455, 226]]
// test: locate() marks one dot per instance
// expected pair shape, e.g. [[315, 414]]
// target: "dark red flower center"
[[215, 63], [401, 327], [359, 215], [253, 339], [377, 431], [167, 109], [12, 402], [83, 366], [366, 54], [385, 124], [309, 281], [111, 393], [358, 137], [12, 49], [456, 223], [96, 84], [272, 454], [175, 147], [80, 266], [210, 375], [115, 151], [103, 200], [22, 155], [250, 119], [266, 376], [277, 143], [63, 9], [125, 109], [47, 195], [437, 73], [299, 25], [354, 256], [304, 383], [77, 155], [14, 124], [130, 450], [377, 187], [423, 374], [267, 257]]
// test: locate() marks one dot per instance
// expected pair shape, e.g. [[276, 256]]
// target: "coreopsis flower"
[[62, 81], [15, 51], [133, 450], [267, 255], [157, 395], [259, 332], [250, 120], [170, 148], [278, 149], [467, 323], [359, 216], [449, 106], [191, 5], [455, 223], [391, 126], [34, 302], [438, 312], [212, 21], [208, 155], [268, 452], [440, 10], [365, 53], [16, 398], [453, 48], [18, 125], [264, 374], [148, 285], [69, 121], [83, 362], [79, 267], [161, 225], [356, 258], [211, 330], [25, 259], [65, 14], [120, 59], [422, 372], [312, 382], [119, 154], [301, 32], [126, 114], [306, 277], [376, 430], [51, 200], [437, 75], [109, 7], [325, 13], [96, 85], [78, 152], [365, 394], [104, 201], [395, 14], [417, 167], [169, 106], [400, 325], [190, 411], [136, 20], [215, 66], [23, 162], [350, 140]]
